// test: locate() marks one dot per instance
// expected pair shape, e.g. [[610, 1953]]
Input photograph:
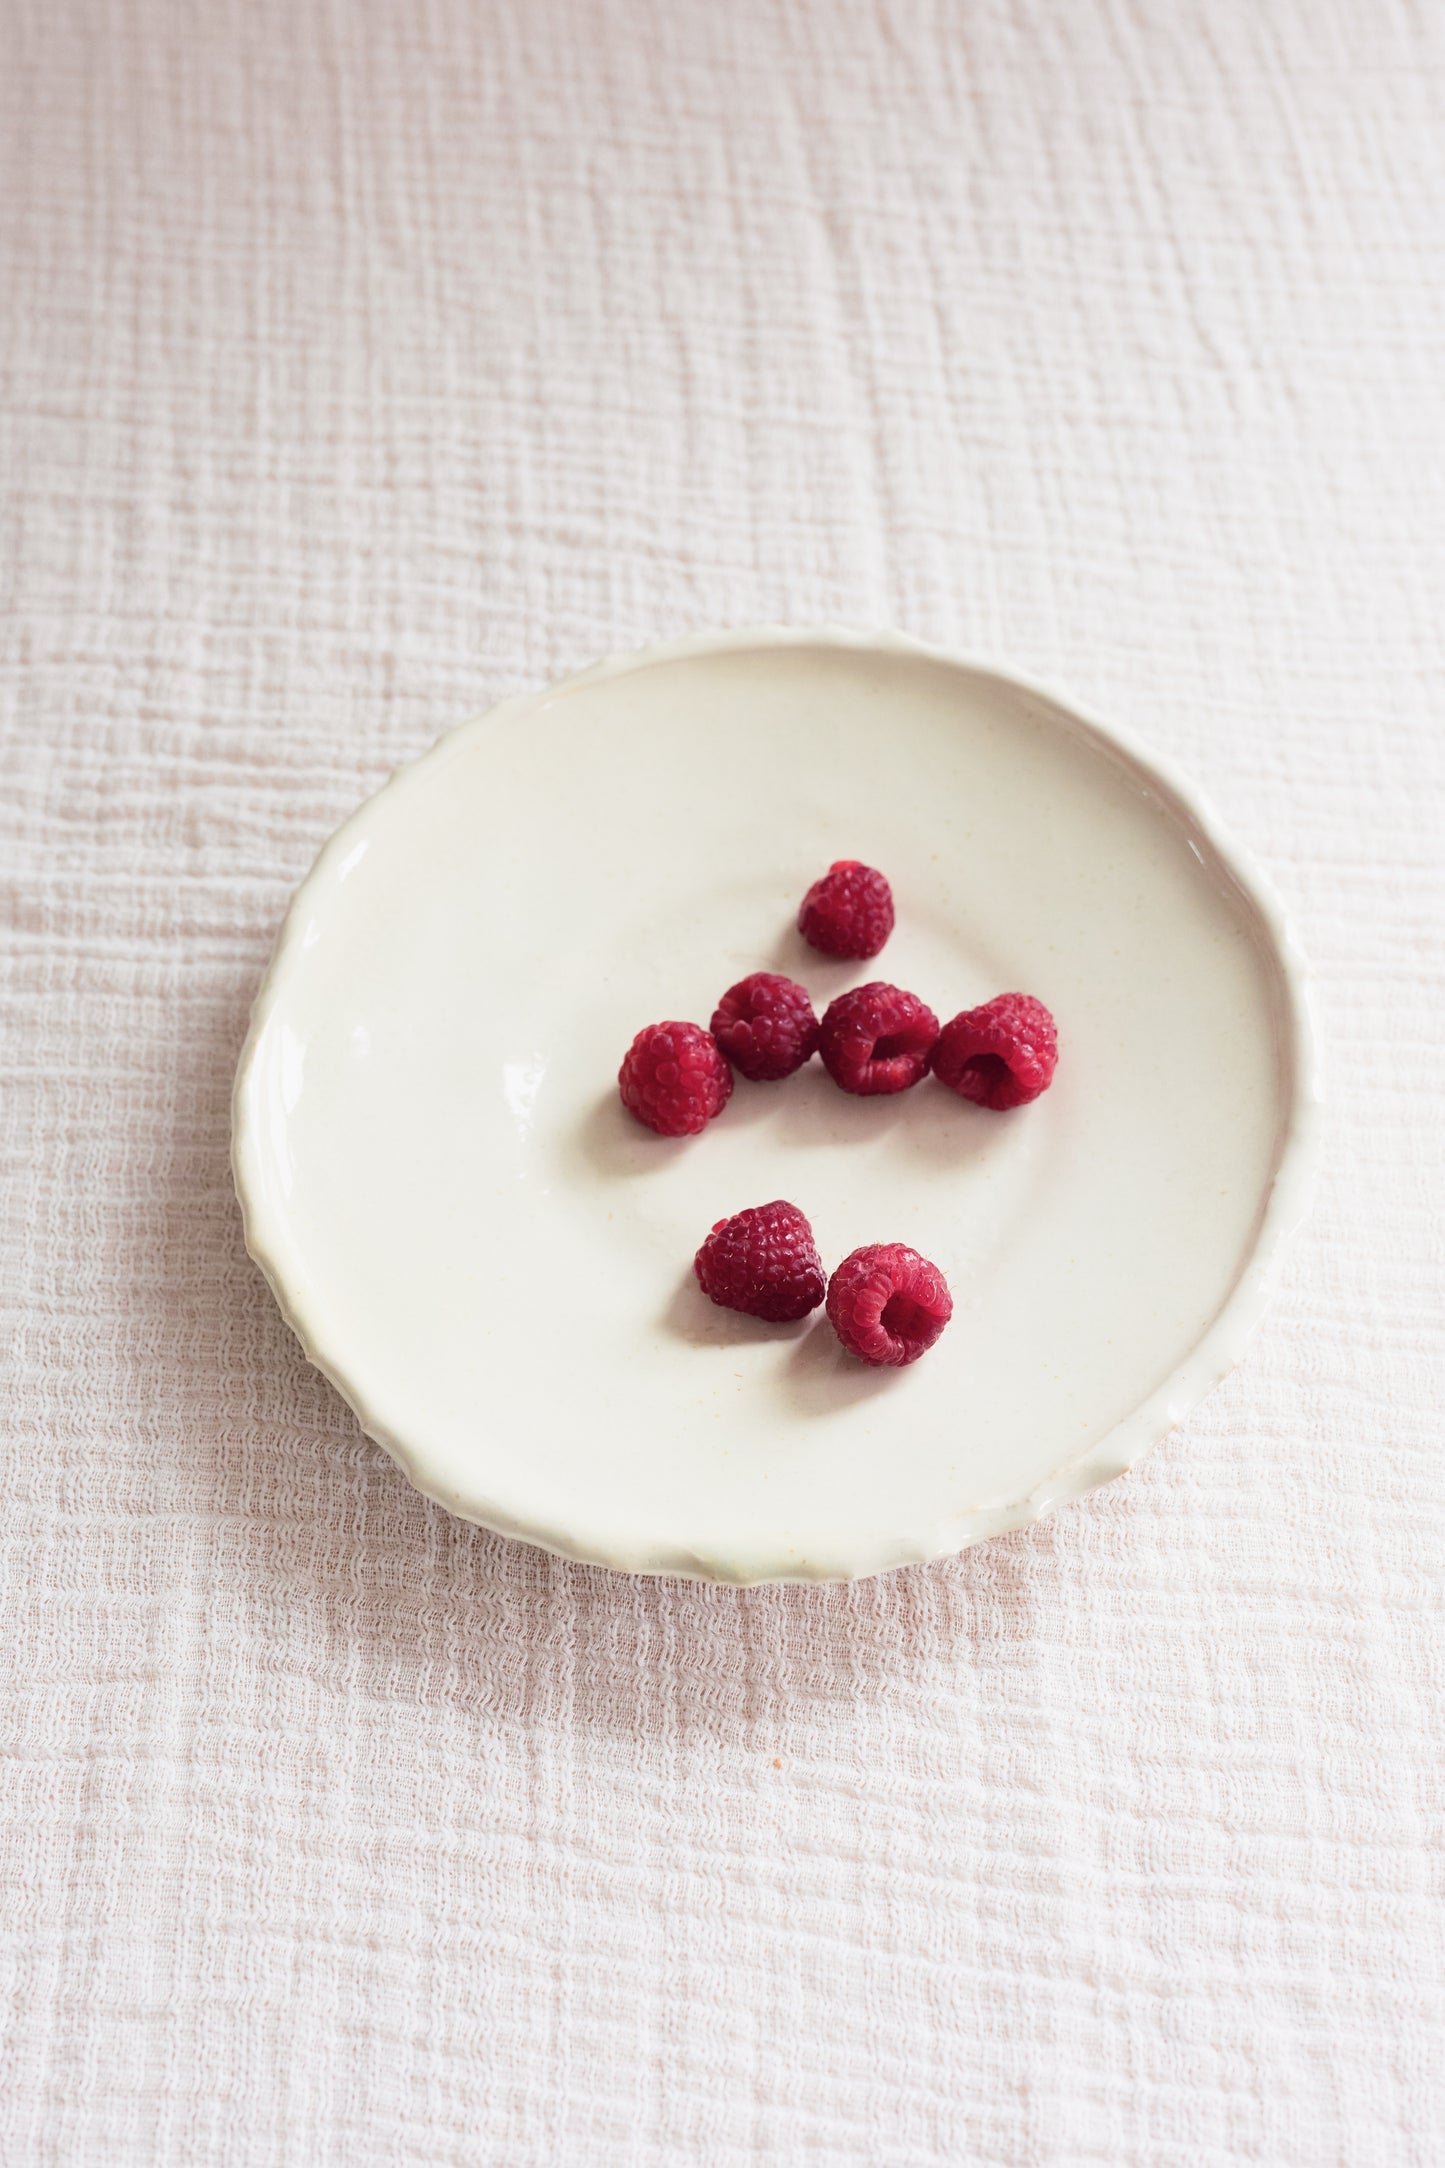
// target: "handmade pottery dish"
[[493, 1262]]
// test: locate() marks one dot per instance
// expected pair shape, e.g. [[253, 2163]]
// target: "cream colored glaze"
[[492, 1261]]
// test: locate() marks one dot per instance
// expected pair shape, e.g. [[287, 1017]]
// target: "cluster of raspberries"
[[886, 1302]]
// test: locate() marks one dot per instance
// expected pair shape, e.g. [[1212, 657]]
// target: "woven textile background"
[[362, 361]]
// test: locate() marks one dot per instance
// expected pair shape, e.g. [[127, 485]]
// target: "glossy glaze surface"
[[493, 1261]]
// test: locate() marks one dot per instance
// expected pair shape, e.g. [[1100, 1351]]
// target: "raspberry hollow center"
[[905, 1318], [894, 1043], [991, 1070]]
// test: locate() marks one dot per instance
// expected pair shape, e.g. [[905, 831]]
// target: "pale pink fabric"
[[362, 363]]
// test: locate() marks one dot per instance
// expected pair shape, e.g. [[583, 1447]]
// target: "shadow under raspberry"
[[690, 1315]]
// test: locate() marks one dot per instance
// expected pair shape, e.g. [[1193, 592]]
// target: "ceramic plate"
[[493, 1262]]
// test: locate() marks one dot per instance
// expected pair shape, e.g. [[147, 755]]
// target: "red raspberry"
[[999, 1055], [876, 1038], [887, 1304], [764, 1261], [766, 1027], [674, 1079], [849, 912]]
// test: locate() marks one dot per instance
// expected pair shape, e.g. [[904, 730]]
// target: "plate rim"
[[1213, 1355]]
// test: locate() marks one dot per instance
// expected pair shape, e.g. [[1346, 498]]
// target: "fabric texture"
[[363, 363]]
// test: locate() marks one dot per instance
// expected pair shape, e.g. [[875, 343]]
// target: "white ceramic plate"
[[492, 1260]]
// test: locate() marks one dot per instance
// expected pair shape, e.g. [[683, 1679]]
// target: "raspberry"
[[766, 1027], [999, 1055], [887, 1304], [876, 1038], [849, 912], [674, 1079], [764, 1261]]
